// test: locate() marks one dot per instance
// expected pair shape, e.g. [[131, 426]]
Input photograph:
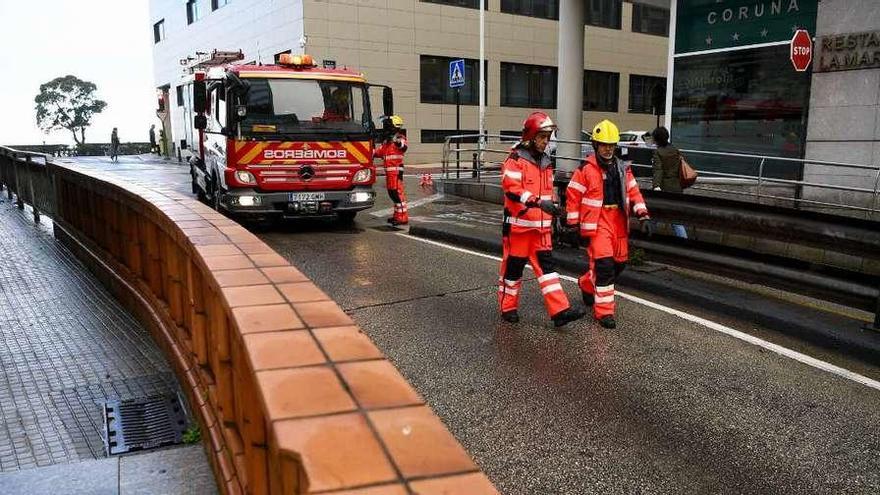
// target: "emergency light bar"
[[296, 60]]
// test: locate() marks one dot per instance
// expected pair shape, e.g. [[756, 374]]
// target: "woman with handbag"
[[667, 170]]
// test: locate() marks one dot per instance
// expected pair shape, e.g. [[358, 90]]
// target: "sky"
[[107, 42]]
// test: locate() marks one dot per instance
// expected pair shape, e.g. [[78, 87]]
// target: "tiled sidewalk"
[[65, 345]]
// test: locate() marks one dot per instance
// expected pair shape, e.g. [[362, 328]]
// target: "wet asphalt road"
[[660, 405]]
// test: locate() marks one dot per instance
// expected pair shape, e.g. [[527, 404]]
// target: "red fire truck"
[[282, 140]]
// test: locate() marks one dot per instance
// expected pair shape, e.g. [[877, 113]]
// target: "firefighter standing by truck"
[[599, 199], [391, 152], [527, 183]]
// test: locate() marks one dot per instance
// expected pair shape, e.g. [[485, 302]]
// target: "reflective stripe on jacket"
[[524, 182], [585, 191], [391, 152]]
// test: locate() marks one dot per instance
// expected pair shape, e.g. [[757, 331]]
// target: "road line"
[[409, 204], [751, 339]]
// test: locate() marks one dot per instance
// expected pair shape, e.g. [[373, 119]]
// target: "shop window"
[[180, 96], [545, 9], [650, 20], [440, 135], [528, 86], [159, 31], [603, 13], [470, 4], [434, 81], [641, 90], [601, 91]]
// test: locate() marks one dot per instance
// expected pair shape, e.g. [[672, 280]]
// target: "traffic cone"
[[426, 181]]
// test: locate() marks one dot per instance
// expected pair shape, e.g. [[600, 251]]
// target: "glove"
[[549, 207], [647, 226]]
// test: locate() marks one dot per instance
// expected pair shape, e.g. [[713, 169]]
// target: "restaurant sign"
[[848, 52]]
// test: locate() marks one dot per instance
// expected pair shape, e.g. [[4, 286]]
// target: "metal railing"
[[753, 178], [25, 175]]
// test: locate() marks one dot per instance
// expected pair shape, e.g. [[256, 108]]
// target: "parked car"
[[636, 138]]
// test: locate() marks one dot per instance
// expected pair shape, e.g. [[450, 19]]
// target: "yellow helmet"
[[396, 121], [606, 132]]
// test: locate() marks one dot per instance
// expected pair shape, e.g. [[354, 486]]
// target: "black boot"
[[567, 316], [589, 299], [608, 322], [510, 316]]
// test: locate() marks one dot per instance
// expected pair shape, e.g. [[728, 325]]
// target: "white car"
[[636, 138]]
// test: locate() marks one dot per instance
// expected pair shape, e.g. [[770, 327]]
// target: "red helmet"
[[535, 123]]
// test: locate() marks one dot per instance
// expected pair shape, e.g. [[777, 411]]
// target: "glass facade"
[[545, 9], [528, 86], [744, 101], [434, 80]]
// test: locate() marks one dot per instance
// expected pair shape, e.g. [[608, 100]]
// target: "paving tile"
[[419, 443], [377, 384], [236, 278], [284, 274], [252, 295], [284, 349], [182, 470], [322, 314], [465, 484], [298, 392], [266, 318], [347, 343], [337, 452], [268, 259], [95, 477], [228, 262], [219, 250], [395, 489], [303, 292]]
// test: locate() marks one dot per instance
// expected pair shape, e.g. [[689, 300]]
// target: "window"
[[180, 96], [641, 90], [192, 11], [529, 86], [603, 13], [471, 4], [279, 54], [601, 91], [216, 4], [434, 81], [545, 9], [440, 135], [159, 31], [650, 20]]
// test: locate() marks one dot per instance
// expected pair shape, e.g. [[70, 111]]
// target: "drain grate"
[[143, 423]]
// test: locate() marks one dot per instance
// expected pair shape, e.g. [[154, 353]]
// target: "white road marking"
[[751, 339], [410, 205]]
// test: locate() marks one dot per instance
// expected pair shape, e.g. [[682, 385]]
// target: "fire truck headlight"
[[245, 177], [249, 200], [361, 197], [363, 175]]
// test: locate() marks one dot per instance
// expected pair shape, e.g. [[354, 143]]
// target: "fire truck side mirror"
[[387, 101], [200, 96], [200, 122]]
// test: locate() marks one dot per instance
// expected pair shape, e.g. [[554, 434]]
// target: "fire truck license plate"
[[306, 196]]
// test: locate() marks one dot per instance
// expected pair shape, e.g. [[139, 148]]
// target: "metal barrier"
[[763, 178], [26, 175]]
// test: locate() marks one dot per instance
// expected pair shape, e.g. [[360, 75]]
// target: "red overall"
[[391, 152], [527, 232], [606, 225]]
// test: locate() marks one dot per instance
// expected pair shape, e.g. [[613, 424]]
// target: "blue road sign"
[[456, 73]]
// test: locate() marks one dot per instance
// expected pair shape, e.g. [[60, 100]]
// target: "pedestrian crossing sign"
[[456, 73]]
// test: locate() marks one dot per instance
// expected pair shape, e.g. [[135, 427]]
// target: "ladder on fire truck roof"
[[207, 60]]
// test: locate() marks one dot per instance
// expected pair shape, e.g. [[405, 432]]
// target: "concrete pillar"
[[570, 87]]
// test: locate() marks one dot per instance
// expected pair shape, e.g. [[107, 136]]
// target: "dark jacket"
[[667, 168]]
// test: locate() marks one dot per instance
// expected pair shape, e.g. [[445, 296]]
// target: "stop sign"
[[801, 50]]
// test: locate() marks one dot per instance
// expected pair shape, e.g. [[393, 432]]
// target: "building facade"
[[408, 45]]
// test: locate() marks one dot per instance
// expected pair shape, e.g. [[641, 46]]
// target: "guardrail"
[[762, 178], [292, 396], [26, 175]]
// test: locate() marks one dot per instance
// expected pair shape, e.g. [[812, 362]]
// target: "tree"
[[67, 103]]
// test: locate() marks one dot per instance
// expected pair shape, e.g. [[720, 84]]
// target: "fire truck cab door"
[[217, 131]]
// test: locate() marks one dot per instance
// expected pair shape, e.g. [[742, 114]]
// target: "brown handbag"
[[688, 174]]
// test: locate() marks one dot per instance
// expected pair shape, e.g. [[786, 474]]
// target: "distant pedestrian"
[[667, 170], [114, 145], [153, 147]]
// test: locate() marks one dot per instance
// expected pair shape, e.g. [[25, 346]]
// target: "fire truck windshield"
[[295, 106]]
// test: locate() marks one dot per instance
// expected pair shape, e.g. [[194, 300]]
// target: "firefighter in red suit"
[[391, 152], [599, 200], [529, 207]]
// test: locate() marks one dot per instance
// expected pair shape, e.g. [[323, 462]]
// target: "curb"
[[804, 323]]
